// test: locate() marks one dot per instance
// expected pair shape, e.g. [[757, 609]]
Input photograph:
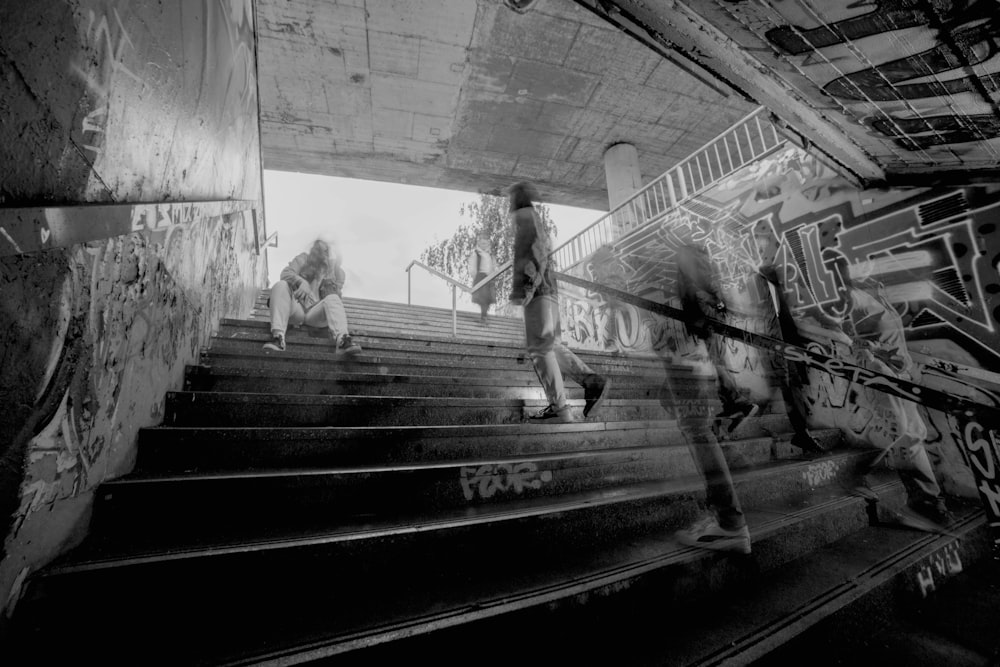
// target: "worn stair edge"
[[666, 554], [968, 536], [579, 587]]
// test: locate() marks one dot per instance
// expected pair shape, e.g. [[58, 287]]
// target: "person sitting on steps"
[[309, 292]]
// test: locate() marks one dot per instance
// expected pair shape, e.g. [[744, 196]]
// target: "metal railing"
[[749, 139], [455, 286]]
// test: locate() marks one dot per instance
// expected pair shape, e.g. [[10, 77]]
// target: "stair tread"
[[89, 555], [793, 593]]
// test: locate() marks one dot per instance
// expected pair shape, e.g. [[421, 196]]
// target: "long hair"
[[522, 195], [319, 262]]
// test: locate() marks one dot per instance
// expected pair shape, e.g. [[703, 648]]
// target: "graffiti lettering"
[[945, 563], [964, 36], [820, 473], [984, 456], [100, 35], [492, 478]]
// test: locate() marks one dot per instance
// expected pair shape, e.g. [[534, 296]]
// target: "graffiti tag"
[[820, 473], [488, 480], [113, 41], [943, 564]]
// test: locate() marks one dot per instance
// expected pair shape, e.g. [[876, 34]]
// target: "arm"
[[334, 284], [524, 237], [290, 274]]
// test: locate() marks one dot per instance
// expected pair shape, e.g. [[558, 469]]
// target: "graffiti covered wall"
[[904, 282], [113, 102]]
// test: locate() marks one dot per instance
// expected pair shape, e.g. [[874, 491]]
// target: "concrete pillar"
[[621, 172]]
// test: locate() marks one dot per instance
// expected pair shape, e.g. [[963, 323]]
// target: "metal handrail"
[[728, 152], [455, 284]]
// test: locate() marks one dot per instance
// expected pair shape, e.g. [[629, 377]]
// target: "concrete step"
[[441, 353], [247, 502], [339, 593], [300, 379], [479, 339], [401, 318], [870, 576], [242, 355], [171, 450], [193, 408]]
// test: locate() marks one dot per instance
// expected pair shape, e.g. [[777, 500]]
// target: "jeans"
[[550, 357], [285, 310], [694, 417]]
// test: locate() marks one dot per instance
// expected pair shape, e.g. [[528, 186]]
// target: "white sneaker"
[[708, 534]]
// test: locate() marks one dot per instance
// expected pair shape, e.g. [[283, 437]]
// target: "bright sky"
[[379, 228]]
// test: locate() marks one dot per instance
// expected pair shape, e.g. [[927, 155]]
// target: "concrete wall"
[[118, 102], [927, 258]]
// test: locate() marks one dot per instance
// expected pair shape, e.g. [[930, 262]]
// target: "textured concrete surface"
[[473, 96], [113, 102]]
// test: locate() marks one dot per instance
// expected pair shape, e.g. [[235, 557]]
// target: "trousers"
[[285, 310], [551, 359]]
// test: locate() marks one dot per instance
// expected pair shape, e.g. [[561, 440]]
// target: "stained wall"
[[119, 103]]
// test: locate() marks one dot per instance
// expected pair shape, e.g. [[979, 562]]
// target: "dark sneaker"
[[807, 443], [551, 413], [595, 390], [930, 518], [348, 347], [277, 343], [738, 414], [708, 534]]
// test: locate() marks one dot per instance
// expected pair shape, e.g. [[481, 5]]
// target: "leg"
[[801, 438], [540, 334], [735, 408], [595, 386], [695, 420], [329, 313], [726, 530], [285, 310]]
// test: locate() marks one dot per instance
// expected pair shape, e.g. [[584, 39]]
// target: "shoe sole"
[[735, 422], [565, 417], [598, 401], [725, 544], [919, 523], [273, 348]]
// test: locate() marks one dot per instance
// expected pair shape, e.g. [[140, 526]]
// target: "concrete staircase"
[[300, 506]]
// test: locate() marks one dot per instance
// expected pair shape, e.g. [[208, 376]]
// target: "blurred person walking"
[[534, 287], [481, 264]]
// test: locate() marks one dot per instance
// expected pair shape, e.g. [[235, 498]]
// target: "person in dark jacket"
[[700, 300], [534, 287], [723, 527]]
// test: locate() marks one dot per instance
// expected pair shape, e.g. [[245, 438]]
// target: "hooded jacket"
[[532, 274]]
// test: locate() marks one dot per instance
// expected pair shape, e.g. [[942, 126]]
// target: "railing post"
[[454, 311], [409, 287]]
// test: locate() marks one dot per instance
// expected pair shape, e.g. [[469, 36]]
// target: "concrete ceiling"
[[903, 92], [470, 95]]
